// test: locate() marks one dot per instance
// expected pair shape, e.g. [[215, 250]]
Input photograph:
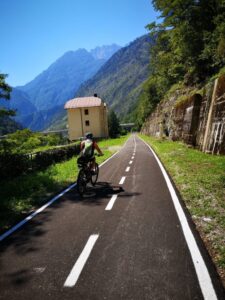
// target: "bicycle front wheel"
[[81, 182], [94, 176]]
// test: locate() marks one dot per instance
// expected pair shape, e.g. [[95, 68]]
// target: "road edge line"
[[201, 269], [39, 210], [36, 212]]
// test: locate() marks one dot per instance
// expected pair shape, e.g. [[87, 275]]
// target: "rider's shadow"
[[102, 190]]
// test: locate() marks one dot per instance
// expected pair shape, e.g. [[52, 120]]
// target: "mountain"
[[42, 119], [20, 102], [48, 92], [104, 52], [61, 80], [8, 125], [119, 80]]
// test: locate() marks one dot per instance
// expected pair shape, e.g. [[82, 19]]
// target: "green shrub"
[[12, 165]]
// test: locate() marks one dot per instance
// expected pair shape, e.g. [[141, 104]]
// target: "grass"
[[23, 194], [200, 178]]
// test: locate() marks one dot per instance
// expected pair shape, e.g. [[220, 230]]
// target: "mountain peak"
[[104, 52]]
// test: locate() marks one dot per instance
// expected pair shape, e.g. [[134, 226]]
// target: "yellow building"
[[87, 114]]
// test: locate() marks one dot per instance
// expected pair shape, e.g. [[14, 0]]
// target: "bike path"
[[140, 252]]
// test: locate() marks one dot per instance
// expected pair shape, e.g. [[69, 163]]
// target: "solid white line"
[[199, 264], [31, 216], [122, 180], [111, 202], [79, 265], [104, 162], [130, 162], [127, 169]]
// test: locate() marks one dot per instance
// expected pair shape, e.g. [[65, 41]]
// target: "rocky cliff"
[[196, 117]]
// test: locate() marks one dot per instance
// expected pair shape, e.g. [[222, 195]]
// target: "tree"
[[114, 125], [194, 32], [5, 90], [188, 48]]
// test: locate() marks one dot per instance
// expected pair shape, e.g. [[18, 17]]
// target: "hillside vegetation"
[[39, 102], [189, 49], [21, 195], [119, 81], [120, 78]]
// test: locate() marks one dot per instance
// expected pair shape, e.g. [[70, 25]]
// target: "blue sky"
[[37, 32]]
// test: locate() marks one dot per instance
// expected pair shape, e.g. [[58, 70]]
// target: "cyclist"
[[87, 147]]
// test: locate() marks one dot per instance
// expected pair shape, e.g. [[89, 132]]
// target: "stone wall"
[[197, 119]]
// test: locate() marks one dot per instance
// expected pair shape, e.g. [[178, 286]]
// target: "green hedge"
[[12, 165]]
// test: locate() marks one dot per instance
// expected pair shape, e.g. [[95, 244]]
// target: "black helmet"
[[89, 135]]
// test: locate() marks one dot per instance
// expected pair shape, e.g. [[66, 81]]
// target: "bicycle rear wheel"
[[81, 182], [94, 176]]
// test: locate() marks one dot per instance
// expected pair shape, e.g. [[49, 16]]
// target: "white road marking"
[[79, 265], [28, 218], [31, 216], [130, 162], [132, 157], [39, 270], [127, 169], [104, 162], [199, 264], [111, 202], [135, 144], [122, 180]]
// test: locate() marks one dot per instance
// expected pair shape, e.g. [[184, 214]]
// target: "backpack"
[[88, 150]]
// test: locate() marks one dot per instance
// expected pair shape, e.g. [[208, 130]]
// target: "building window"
[[86, 112], [87, 123]]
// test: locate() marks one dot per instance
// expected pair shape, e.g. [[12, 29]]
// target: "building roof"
[[83, 102]]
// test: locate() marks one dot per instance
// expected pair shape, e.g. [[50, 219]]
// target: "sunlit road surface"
[[130, 237]]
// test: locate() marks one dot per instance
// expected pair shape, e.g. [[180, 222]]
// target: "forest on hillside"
[[189, 49], [186, 49]]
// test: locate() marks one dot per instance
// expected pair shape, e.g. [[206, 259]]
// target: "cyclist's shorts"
[[84, 160]]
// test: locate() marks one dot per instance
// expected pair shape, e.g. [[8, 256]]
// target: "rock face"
[[198, 119]]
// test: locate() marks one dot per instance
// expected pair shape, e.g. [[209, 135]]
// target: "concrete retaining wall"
[[197, 119]]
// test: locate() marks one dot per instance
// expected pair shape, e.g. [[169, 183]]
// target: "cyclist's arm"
[[81, 146], [96, 147]]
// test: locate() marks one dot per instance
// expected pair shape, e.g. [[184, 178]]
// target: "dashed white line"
[[122, 180], [127, 169], [31, 216], [130, 162], [79, 265], [111, 202], [132, 157]]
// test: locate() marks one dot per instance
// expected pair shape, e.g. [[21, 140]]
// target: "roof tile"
[[83, 102]]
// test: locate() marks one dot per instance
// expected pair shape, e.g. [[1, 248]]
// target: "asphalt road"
[[124, 240]]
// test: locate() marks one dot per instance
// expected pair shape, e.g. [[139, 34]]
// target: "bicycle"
[[86, 175]]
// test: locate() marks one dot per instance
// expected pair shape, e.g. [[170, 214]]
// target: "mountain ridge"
[[119, 81], [121, 74], [58, 83]]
